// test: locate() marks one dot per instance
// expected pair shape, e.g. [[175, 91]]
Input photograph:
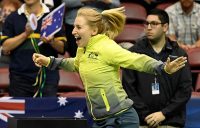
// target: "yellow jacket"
[[99, 67]]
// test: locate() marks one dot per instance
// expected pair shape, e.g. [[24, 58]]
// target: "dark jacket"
[[175, 89]]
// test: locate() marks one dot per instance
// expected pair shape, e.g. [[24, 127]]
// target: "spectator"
[[185, 23], [19, 40], [159, 100], [98, 61], [7, 6], [72, 7]]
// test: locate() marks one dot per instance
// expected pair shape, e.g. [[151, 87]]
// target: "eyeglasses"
[[153, 24]]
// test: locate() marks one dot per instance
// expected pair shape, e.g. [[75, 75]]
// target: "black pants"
[[21, 86]]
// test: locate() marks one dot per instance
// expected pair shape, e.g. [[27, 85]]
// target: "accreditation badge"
[[155, 87]]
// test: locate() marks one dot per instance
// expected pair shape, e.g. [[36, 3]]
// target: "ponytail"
[[114, 21], [110, 22]]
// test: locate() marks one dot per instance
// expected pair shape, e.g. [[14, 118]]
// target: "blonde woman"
[[98, 61]]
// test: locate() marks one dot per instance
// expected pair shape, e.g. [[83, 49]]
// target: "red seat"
[[163, 6], [194, 59], [195, 94], [70, 81], [135, 13], [4, 81], [4, 78], [130, 33], [197, 86]]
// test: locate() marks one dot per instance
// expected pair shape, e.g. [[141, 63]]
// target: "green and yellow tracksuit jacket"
[[99, 67]]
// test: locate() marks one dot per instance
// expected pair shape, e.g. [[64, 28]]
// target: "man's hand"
[[28, 29], [6, 52], [154, 119], [49, 39]]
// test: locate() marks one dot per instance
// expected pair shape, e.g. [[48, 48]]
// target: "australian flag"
[[52, 23], [43, 107]]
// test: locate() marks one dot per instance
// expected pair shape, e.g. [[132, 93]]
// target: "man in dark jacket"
[[159, 100], [19, 39]]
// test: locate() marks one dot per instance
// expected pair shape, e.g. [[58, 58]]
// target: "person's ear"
[[165, 27], [95, 31]]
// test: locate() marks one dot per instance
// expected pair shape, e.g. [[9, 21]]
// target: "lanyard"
[[41, 76]]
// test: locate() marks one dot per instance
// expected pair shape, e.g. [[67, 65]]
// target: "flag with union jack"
[[52, 23], [42, 107]]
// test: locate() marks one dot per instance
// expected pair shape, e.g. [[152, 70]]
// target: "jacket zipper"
[[105, 100]]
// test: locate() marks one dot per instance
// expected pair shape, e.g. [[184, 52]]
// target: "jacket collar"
[[93, 40]]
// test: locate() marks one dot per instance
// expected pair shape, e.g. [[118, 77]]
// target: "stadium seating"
[[4, 81], [135, 13], [164, 5], [197, 87], [130, 33], [70, 81], [194, 59]]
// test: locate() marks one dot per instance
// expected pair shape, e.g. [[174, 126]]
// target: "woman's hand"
[[41, 60], [173, 66]]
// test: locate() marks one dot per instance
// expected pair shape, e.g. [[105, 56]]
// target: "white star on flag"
[[78, 114], [62, 101]]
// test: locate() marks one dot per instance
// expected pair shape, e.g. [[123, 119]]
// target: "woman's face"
[[82, 31]]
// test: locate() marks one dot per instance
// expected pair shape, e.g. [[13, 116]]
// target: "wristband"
[[52, 58]]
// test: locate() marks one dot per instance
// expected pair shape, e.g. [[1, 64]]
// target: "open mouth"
[[77, 38]]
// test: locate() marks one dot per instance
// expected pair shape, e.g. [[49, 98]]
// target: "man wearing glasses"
[[159, 100]]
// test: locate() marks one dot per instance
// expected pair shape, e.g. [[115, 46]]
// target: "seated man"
[[159, 100], [185, 23]]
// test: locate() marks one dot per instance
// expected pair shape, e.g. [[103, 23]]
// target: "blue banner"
[[42, 107]]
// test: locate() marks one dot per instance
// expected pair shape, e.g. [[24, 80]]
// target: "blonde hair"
[[110, 22]]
